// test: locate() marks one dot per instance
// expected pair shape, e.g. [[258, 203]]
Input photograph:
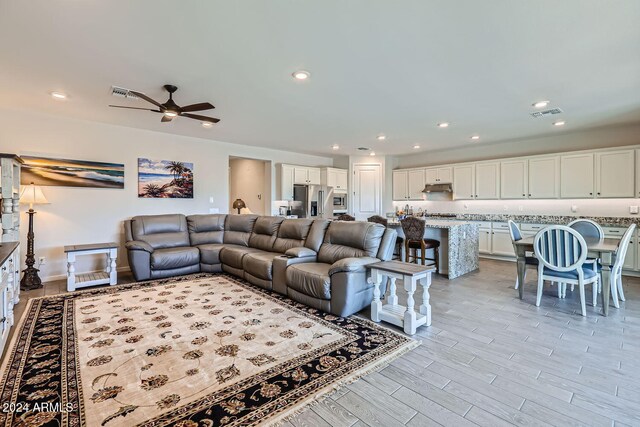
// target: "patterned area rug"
[[200, 350]]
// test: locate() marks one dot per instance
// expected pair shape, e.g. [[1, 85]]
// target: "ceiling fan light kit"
[[170, 109]]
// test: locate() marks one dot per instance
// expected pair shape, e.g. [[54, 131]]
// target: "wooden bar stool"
[[413, 229], [397, 249]]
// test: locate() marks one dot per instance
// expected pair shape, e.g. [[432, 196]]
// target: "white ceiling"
[[378, 66]]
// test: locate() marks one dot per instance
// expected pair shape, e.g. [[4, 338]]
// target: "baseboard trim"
[[48, 279]]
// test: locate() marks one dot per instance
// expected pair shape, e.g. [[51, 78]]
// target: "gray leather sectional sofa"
[[315, 262]]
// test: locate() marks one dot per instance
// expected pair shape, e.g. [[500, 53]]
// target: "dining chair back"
[[514, 231], [560, 248], [397, 249], [616, 269], [587, 228], [378, 220], [516, 236], [345, 217]]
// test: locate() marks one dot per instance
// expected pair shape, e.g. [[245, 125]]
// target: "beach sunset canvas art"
[[71, 173], [165, 179]]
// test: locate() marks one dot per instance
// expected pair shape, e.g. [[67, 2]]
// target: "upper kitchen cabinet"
[[544, 178], [306, 176], [576, 176], [286, 182], [464, 182], [415, 184], [487, 180], [336, 178], [513, 179], [439, 175], [615, 173], [408, 184]]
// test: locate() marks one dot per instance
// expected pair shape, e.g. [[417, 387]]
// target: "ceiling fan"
[[171, 110]]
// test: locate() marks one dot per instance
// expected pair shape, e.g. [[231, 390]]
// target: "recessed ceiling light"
[[58, 95], [417, 146], [207, 124], [560, 123], [170, 113], [475, 137], [540, 104], [381, 137], [443, 125], [373, 153], [335, 147], [301, 75]]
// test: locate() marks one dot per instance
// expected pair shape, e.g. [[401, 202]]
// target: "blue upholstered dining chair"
[[562, 252], [516, 236], [590, 229]]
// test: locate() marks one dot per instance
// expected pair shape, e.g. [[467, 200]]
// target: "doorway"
[[367, 199], [250, 180]]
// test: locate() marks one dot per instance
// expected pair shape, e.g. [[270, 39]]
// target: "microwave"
[[339, 202]]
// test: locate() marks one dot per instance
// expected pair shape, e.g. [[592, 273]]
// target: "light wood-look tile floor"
[[490, 359]]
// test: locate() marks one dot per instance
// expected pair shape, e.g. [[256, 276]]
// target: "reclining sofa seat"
[[206, 232], [336, 279], [158, 246]]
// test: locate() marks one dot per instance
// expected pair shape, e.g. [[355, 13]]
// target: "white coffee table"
[[391, 311], [108, 276]]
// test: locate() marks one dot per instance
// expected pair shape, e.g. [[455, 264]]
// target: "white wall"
[[247, 182], [88, 215], [611, 136]]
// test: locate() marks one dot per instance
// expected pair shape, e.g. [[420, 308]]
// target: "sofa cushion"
[[238, 228], [350, 239], [316, 234], [264, 232], [292, 234], [260, 264], [310, 279], [169, 258], [232, 255], [161, 231], [205, 229], [210, 253]]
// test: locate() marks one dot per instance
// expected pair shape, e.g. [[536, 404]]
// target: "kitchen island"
[[458, 244]]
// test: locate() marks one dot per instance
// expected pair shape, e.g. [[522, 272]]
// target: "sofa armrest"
[[138, 245], [300, 252], [350, 265]]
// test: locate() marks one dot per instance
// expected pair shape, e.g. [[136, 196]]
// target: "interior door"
[[367, 200]]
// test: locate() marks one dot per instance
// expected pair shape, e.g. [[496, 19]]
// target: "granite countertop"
[[437, 223], [6, 249], [607, 221]]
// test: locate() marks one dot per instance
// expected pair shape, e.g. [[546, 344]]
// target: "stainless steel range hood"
[[437, 188]]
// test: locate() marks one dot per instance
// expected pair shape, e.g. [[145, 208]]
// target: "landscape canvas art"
[[165, 179], [71, 173]]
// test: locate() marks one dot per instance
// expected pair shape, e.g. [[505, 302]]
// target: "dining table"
[[605, 249]]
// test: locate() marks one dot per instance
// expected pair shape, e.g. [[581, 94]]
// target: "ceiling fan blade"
[[166, 119], [199, 117], [197, 107], [146, 98], [134, 108]]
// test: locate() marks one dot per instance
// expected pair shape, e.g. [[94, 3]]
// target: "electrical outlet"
[[633, 210], [211, 199], [505, 207], [42, 260], [520, 208], [574, 208]]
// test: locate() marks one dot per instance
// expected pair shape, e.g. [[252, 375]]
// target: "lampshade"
[[32, 194], [239, 204]]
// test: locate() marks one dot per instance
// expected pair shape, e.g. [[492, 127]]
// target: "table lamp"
[[31, 194], [239, 204]]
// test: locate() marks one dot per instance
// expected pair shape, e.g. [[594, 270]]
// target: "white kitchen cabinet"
[[415, 184], [439, 175], [501, 243], [464, 182], [306, 176], [615, 174], [286, 182], [335, 178], [513, 179], [484, 241], [487, 181], [544, 178], [400, 185], [342, 180], [576, 176]]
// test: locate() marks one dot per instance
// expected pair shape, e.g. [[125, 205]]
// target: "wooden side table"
[[391, 311], [108, 276]]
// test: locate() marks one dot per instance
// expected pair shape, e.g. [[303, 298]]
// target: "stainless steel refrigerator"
[[312, 201]]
